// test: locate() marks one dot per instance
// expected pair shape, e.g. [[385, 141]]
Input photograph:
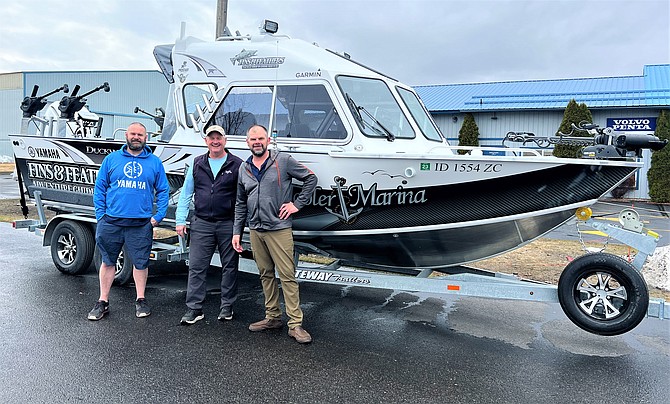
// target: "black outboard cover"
[[617, 146]]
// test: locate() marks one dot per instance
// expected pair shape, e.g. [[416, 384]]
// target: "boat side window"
[[420, 114], [375, 110], [307, 112], [244, 107], [197, 95]]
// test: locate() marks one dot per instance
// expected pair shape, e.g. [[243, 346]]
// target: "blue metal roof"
[[651, 89]]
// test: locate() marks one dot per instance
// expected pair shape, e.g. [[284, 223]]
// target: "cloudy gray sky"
[[415, 41]]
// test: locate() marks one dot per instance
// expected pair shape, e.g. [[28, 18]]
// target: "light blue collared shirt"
[[186, 195]]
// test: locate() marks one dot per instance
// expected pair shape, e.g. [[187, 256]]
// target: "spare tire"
[[603, 294]]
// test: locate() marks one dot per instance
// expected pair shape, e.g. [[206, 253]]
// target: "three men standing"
[[212, 183], [227, 194]]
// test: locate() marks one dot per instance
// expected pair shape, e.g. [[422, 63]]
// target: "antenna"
[[221, 19]]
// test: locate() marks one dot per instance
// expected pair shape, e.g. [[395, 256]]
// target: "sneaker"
[[300, 335], [226, 313], [142, 308], [192, 316], [265, 324], [99, 310]]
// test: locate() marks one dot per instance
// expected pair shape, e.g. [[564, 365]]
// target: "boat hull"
[[436, 248]]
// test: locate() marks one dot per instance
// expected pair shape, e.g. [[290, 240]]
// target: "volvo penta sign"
[[632, 124]]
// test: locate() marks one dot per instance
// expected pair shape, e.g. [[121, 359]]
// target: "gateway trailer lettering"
[[330, 277]]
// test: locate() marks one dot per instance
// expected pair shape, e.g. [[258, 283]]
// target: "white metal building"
[[146, 89]]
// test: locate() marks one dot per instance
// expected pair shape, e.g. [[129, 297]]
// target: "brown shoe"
[[265, 324], [300, 335]]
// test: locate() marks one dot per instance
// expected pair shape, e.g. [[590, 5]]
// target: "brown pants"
[[275, 249]]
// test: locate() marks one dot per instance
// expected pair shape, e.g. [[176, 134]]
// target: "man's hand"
[[287, 210], [181, 230], [154, 223], [236, 243]]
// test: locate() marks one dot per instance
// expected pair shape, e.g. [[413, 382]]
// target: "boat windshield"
[[301, 112], [376, 111], [420, 114]]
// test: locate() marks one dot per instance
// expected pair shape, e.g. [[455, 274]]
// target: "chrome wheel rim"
[[601, 296], [67, 248]]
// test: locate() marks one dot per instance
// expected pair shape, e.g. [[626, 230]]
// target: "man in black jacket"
[[212, 184]]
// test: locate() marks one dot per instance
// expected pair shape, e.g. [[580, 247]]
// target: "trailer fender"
[[53, 223]]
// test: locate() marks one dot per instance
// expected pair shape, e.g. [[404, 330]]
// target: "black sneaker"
[[142, 308], [226, 313], [99, 310], [192, 316]]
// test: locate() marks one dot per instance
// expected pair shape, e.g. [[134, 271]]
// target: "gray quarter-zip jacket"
[[259, 202]]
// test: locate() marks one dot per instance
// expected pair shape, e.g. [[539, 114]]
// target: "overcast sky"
[[418, 42]]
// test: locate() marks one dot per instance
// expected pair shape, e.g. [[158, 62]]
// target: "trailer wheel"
[[603, 294], [124, 266], [72, 245]]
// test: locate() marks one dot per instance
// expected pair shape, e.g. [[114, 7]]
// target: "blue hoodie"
[[124, 187]]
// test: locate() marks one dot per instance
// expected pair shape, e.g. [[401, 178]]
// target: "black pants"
[[205, 238]]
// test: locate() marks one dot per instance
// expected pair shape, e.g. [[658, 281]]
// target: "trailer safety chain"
[[583, 243]]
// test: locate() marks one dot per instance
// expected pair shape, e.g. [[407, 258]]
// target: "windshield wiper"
[[389, 136], [357, 114]]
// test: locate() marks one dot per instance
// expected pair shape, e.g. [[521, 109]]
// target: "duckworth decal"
[[98, 150], [347, 202]]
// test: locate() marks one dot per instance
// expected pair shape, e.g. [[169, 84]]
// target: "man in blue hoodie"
[[124, 199]]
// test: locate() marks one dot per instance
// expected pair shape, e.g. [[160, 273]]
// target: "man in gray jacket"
[[264, 196]]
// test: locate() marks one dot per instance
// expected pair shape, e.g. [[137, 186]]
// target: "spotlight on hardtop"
[[270, 27]]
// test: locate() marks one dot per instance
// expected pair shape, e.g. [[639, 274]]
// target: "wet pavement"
[[369, 346]]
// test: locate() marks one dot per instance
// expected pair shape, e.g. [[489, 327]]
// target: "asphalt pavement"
[[370, 346]]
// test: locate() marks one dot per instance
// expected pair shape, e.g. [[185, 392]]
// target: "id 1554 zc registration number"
[[469, 167]]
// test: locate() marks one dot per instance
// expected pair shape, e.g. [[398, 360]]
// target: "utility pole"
[[221, 17]]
